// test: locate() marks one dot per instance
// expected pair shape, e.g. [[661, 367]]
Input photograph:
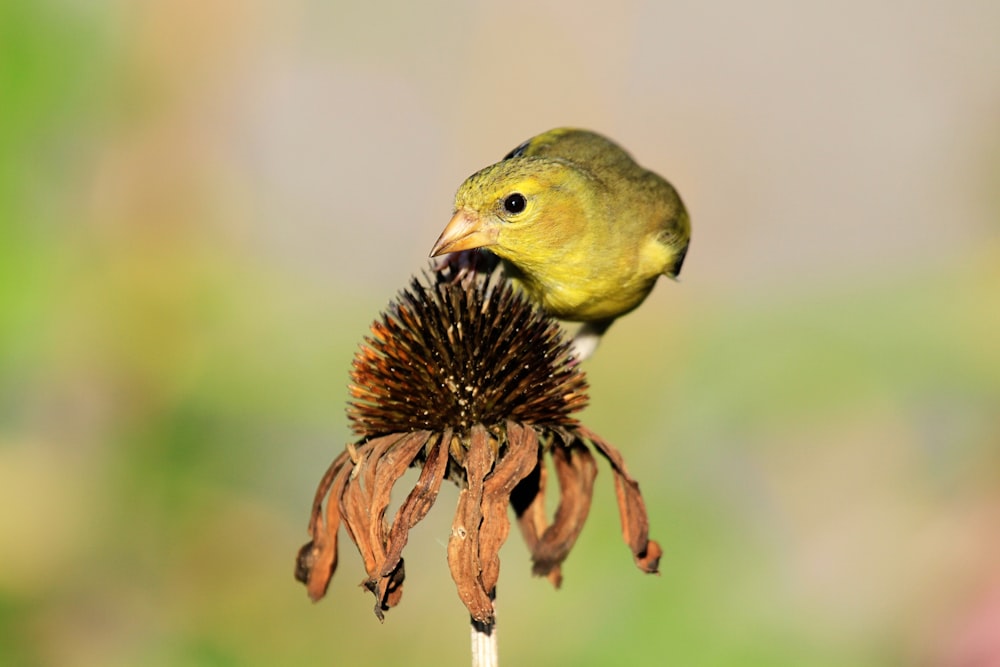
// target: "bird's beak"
[[465, 231]]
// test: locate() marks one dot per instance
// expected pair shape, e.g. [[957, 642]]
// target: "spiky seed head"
[[452, 353]]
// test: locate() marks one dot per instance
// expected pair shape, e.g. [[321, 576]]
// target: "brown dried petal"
[[463, 546], [631, 507], [388, 581], [528, 501], [575, 470], [317, 560], [361, 498], [519, 459], [418, 502], [381, 462]]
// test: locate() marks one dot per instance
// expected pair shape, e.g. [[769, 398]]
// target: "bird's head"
[[521, 209]]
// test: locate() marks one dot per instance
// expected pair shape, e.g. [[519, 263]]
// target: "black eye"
[[515, 203]]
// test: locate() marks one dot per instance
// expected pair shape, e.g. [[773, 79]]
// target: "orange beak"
[[465, 231]]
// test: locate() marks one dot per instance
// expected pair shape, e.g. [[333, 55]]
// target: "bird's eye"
[[515, 203]]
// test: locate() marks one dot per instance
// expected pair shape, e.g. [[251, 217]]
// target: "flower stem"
[[484, 643]]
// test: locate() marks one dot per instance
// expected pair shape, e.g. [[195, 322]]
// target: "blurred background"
[[204, 204]]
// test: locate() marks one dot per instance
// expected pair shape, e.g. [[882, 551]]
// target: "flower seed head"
[[453, 353]]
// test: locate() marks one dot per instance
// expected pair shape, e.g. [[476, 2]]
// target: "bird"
[[578, 225]]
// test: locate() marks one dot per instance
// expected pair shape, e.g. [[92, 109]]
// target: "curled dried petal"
[[528, 501], [418, 502], [362, 505], [317, 560], [631, 507], [575, 470], [520, 458], [463, 546]]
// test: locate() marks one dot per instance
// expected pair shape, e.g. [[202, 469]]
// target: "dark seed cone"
[[466, 379], [447, 356]]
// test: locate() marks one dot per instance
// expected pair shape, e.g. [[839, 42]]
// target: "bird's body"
[[579, 225]]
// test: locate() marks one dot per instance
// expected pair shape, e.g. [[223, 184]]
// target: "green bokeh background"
[[203, 205]]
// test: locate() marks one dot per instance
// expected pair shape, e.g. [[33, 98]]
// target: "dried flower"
[[467, 380]]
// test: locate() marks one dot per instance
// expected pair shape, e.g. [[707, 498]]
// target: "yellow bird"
[[578, 224]]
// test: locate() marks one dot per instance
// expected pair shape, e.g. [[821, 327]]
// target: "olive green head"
[[521, 209]]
